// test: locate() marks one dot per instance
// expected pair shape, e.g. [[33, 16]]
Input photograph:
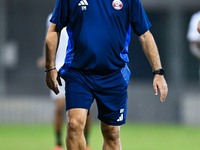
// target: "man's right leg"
[[79, 98], [76, 119]]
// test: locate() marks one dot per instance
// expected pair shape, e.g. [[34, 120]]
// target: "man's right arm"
[[52, 40]]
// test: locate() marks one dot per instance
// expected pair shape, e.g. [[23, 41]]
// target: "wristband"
[[47, 70], [160, 72]]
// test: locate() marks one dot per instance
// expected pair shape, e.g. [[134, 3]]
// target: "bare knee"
[[75, 125], [111, 133], [74, 128]]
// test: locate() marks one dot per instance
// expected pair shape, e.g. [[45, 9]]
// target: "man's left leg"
[[111, 98], [111, 135]]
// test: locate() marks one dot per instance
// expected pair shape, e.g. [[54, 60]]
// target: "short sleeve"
[[60, 14], [192, 34], [48, 22], [139, 20]]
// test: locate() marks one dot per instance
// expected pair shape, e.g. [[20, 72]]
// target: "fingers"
[[155, 89], [162, 95], [163, 92], [59, 81], [55, 87], [51, 80], [160, 83], [52, 84]]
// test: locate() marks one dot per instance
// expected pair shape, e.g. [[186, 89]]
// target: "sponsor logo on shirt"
[[117, 4], [83, 4]]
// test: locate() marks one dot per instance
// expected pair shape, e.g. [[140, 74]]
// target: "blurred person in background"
[[60, 98], [96, 63], [198, 28], [194, 37]]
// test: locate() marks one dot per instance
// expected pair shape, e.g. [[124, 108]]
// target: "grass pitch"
[[133, 137]]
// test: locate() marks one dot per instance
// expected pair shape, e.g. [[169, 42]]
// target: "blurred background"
[[24, 96]]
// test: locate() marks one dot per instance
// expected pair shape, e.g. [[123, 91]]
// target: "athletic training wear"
[[193, 35], [97, 54], [99, 32], [109, 91]]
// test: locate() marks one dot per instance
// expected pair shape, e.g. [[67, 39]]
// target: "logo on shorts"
[[122, 116], [83, 4], [117, 4]]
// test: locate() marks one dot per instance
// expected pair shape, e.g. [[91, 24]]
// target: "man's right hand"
[[52, 78]]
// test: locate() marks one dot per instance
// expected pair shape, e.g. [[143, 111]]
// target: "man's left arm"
[[150, 49]]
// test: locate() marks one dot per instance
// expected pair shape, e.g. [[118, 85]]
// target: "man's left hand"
[[160, 83]]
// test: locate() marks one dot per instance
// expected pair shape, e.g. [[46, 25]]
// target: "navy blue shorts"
[[109, 91]]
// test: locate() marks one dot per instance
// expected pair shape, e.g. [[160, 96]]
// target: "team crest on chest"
[[117, 4]]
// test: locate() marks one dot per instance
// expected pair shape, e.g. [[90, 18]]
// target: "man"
[[60, 98], [198, 28], [96, 63], [194, 37]]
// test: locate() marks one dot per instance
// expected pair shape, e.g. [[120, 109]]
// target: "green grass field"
[[133, 137]]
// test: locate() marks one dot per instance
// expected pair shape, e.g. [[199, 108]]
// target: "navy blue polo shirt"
[[99, 32]]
